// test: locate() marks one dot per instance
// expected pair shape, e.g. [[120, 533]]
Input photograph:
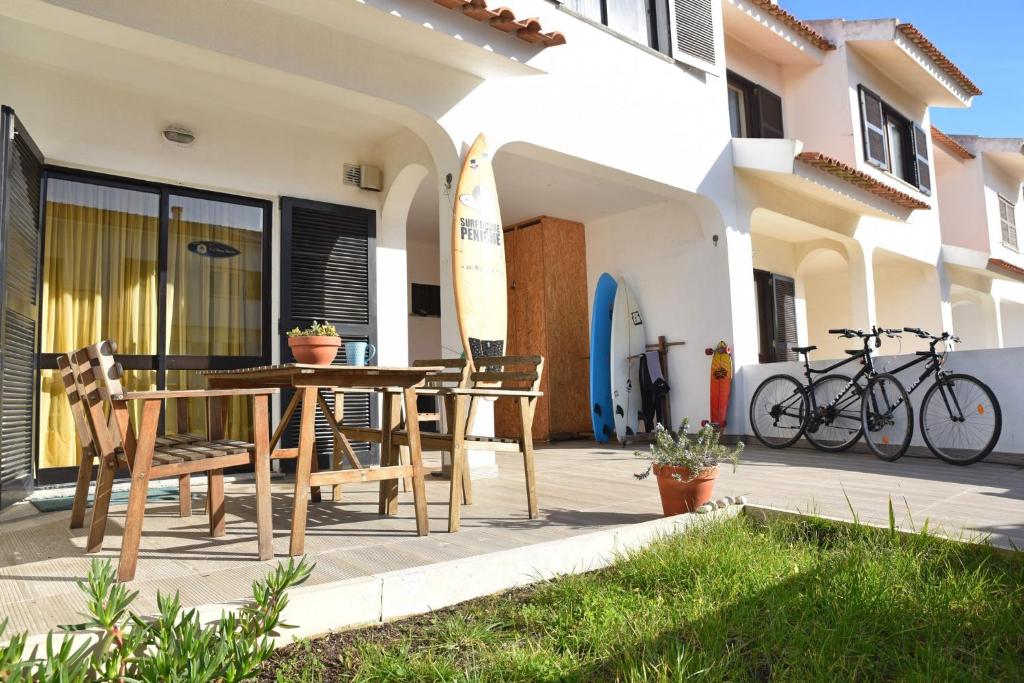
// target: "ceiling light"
[[179, 136]]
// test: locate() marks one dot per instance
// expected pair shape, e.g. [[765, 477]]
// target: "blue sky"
[[985, 38]]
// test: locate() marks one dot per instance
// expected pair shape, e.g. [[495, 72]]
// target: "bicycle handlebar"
[[946, 336]]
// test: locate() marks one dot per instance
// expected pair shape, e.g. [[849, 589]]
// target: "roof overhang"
[[903, 54], [1006, 153], [784, 164], [773, 33], [980, 263]]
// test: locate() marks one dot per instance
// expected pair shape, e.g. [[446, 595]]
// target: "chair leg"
[[215, 502], [459, 465], [526, 425], [303, 465], [264, 517], [139, 490], [185, 495], [419, 489], [82, 489], [403, 458], [336, 457], [100, 504]]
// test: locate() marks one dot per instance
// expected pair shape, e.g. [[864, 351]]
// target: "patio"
[[582, 488]]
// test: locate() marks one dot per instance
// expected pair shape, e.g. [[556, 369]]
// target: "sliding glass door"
[[178, 278]]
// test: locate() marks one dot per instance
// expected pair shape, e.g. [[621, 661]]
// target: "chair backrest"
[[509, 372], [455, 374], [98, 380], [76, 399]]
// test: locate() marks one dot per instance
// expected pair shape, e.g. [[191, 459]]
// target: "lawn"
[[738, 600]]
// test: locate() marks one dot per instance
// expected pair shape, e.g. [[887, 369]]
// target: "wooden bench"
[[92, 380], [493, 379]]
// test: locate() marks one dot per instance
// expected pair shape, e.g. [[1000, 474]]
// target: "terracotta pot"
[[678, 497], [314, 350]]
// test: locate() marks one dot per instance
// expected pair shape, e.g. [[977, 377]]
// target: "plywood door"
[[527, 320]]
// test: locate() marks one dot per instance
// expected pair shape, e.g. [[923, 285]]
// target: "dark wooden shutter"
[[765, 316], [784, 294], [693, 29], [873, 128], [769, 113], [21, 173], [922, 169], [328, 274]]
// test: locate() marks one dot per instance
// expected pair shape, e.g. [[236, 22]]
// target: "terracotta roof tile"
[[812, 36], [951, 145], [917, 38], [504, 19], [1008, 268], [860, 179]]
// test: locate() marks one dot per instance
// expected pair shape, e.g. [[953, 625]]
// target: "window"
[[893, 142], [754, 111], [176, 277], [1008, 222], [642, 21], [775, 297]]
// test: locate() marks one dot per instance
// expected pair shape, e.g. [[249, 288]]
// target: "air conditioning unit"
[[364, 177]]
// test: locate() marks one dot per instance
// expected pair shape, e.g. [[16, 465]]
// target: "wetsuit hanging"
[[653, 388]]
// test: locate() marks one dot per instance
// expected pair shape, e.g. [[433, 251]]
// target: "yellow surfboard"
[[478, 258]]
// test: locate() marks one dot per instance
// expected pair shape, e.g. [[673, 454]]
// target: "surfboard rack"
[[662, 347]]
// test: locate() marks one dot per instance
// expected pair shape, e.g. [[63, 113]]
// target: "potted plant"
[[317, 344], [687, 466]]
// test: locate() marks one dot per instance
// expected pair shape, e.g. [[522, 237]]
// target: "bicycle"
[[964, 426], [782, 409]]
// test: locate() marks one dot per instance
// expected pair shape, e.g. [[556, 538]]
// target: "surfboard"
[[721, 382], [601, 411], [628, 339], [478, 258]]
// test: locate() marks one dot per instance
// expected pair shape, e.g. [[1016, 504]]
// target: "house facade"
[[195, 178]]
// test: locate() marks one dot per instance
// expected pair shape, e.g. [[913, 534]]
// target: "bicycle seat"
[[802, 349], [853, 352]]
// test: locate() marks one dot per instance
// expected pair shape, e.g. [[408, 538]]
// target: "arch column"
[[863, 313]]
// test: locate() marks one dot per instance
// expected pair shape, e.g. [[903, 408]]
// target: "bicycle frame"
[[934, 366]]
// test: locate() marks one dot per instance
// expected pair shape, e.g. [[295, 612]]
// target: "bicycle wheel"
[[778, 411], [960, 419], [836, 427], [887, 417]]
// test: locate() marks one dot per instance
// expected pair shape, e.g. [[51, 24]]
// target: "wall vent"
[[694, 30], [353, 175]]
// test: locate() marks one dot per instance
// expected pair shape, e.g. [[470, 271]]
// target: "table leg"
[[526, 408], [339, 417], [390, 420], [303, 465], [261, 441], [458, 454], [419, 489]]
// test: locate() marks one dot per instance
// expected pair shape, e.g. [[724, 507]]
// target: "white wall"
[[1012, 315], [671, 268], [907, 295], [424, 333], [990, 366], [962, 210]]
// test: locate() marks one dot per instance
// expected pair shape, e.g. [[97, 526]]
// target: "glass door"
[[177, 277]]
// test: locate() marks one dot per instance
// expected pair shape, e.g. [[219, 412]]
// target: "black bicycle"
[[835, 410], [960, 416]]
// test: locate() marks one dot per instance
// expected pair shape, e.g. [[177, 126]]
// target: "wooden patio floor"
[[583, 487]]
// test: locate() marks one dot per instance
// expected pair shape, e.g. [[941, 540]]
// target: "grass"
[[791, 600]]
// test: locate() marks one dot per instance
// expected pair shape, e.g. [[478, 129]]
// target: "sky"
[[984, 38]]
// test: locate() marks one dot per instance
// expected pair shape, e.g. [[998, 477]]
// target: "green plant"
[[173, 646], [698, 453], [324, 329]]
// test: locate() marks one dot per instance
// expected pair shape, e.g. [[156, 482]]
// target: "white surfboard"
[[628, 339], [478, 258]]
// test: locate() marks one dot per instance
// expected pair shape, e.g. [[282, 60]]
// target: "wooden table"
[[398, 385]]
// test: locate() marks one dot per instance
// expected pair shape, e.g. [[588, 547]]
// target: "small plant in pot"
[[317, 344], [687, 466]]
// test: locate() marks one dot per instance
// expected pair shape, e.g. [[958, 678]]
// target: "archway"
[[907, 294], [823, 285]]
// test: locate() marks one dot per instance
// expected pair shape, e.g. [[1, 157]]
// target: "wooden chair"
[[497, 379], [116, 442]]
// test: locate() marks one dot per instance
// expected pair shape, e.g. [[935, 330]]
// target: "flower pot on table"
[[314, 350]]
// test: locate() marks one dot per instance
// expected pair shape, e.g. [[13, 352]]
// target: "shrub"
[[173, 646], [324, 329], [696, 454]]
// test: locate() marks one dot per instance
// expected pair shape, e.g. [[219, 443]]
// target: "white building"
[[602, 114]]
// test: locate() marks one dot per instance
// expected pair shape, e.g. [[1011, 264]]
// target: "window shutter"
[[1008, 222], [784, 291], [328, 267], [21, 170], [769, 113], [873, 128], [922, 168], [693, 29]]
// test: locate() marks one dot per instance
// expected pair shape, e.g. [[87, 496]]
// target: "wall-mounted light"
[[714, 240], [179, 136]]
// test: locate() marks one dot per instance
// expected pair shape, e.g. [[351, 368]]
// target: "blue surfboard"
[[600, 359]]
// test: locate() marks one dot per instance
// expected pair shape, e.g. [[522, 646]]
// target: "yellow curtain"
[[214, 295], [99, 281]]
